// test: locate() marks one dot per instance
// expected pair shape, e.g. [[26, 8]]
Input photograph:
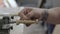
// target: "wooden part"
[[26, 21], [57, 29]]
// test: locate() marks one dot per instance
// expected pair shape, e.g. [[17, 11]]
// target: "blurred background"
[[40, 28]]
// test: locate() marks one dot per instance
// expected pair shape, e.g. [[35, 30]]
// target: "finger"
[[30, 15], [27, 11], [24, 18], [33, 15], [23, 13]]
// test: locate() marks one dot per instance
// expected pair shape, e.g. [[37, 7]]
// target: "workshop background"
[[40, 28]]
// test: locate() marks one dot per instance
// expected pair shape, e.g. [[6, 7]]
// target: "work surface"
[[22, 29]]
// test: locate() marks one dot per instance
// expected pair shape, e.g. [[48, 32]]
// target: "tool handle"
[[26, 21]]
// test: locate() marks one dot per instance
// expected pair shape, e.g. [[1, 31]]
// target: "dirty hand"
[[31, 13]]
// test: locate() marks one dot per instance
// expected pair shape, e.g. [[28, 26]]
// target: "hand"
[[23, 13], [31, 13]]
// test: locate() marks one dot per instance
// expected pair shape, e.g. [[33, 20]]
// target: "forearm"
[[54, 16]]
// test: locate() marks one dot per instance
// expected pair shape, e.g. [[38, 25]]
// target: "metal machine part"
[[27, 22], [7, 14], [5, 26]]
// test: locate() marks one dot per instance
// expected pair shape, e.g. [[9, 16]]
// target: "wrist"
[[44, 15]]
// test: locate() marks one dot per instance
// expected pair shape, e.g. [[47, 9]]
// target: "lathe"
[[8, 16], [10, 22]]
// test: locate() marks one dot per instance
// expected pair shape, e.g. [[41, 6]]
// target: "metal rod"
[[26, 21]]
